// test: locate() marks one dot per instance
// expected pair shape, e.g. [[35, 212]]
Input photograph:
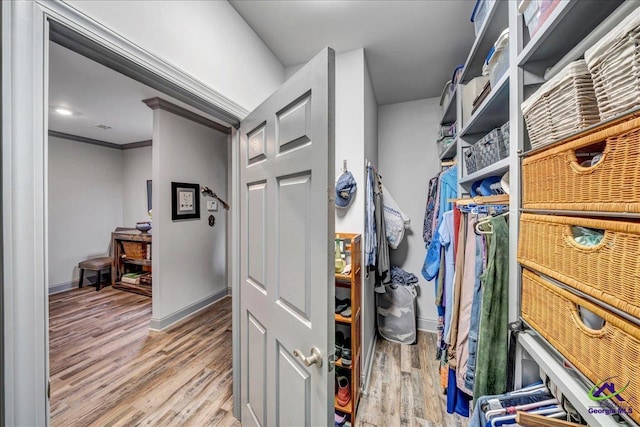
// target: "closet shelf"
[[567, 25], [450, 151], [496, 22], [484, 200], [348, 408], [346, 320], [570, 383], [450, 111], [137, 261], [497, 168], [493, 112]]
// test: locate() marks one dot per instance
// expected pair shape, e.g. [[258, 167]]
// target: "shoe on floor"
[[340, 419], [344, 391]]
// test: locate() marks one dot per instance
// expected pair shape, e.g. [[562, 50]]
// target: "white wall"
[[207, 39], [85, 204], [408, 158], [136, 172], [189, 257]]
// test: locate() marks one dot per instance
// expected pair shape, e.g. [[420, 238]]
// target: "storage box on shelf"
[[470, 93], [536, 12], [613, 63], [480, 13], [498, 64], [351, 283], [486, 151], [607, 270], [554, 179], [600, 354], [561, 106]]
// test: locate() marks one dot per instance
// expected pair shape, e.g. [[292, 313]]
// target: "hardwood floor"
[[108, 369], [404, 388]]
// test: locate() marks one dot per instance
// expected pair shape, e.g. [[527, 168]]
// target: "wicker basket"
[[136, 250], [553, 179], [609, 271], [613, 64], [613, 351], [563, 105]]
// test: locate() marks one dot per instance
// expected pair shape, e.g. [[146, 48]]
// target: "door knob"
[[314, 358]]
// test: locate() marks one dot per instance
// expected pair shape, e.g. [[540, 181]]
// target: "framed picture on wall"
[[185, 201]]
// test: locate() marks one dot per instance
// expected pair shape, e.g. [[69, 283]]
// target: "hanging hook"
[[344, 165]]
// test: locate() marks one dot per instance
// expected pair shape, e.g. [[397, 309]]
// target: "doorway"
[[25, 50]]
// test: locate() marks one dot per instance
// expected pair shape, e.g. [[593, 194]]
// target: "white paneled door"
[[286, 250]]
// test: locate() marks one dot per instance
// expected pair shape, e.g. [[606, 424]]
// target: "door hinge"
[[49, 389]]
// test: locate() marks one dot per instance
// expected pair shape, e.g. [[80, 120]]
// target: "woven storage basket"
[[553, 179], [134, 249], [614, 66], [609, 271], [613, 351], [563, 105]]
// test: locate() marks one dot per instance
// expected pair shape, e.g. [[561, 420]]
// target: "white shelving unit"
[[529, 58]]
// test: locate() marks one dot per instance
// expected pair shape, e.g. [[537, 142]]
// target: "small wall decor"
[[185, 201]]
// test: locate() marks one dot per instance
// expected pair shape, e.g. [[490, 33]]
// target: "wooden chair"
[[99, 264]]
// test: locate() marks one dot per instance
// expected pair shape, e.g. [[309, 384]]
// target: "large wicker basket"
[[563, 105], [553, 179], [136, 250], [613, 64], [613, 351], [609, 271]]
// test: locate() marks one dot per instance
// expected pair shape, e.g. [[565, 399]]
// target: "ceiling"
[[98, 95], [412, 47]]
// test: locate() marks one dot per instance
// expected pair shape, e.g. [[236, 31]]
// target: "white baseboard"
[[427, 325], [63, 287], [368, 364], [170, 320]]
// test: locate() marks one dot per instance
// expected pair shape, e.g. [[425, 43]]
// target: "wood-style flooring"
[[404, 389], [108, 369]]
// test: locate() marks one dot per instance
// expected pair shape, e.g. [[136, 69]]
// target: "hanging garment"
[[457, 399], [446, 191], [491, 362], [370, 240], [427, 227], [474, 325], [445, 234], [382, 261], [395, 221], [466, 303], [455, 303]]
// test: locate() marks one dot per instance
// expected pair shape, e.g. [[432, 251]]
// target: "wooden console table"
[[132, 253]]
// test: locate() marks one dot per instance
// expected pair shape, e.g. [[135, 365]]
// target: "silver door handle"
[[314, 358]]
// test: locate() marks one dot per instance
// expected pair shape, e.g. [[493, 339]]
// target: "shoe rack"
[[348, 285]]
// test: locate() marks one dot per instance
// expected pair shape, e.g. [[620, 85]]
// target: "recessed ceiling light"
[[64, 112]]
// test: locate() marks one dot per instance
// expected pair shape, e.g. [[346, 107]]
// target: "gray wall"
[[137, 170], [85, 204], [193, 255], [408, 158]]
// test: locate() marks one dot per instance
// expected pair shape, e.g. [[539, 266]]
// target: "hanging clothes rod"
[[600, 31]]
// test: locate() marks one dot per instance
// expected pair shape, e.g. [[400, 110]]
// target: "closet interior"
[[532, 228]]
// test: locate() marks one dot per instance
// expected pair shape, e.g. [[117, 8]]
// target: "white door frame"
[[25, 37]]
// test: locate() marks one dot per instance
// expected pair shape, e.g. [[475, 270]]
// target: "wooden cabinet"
[[349, 286], [132, 254]]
